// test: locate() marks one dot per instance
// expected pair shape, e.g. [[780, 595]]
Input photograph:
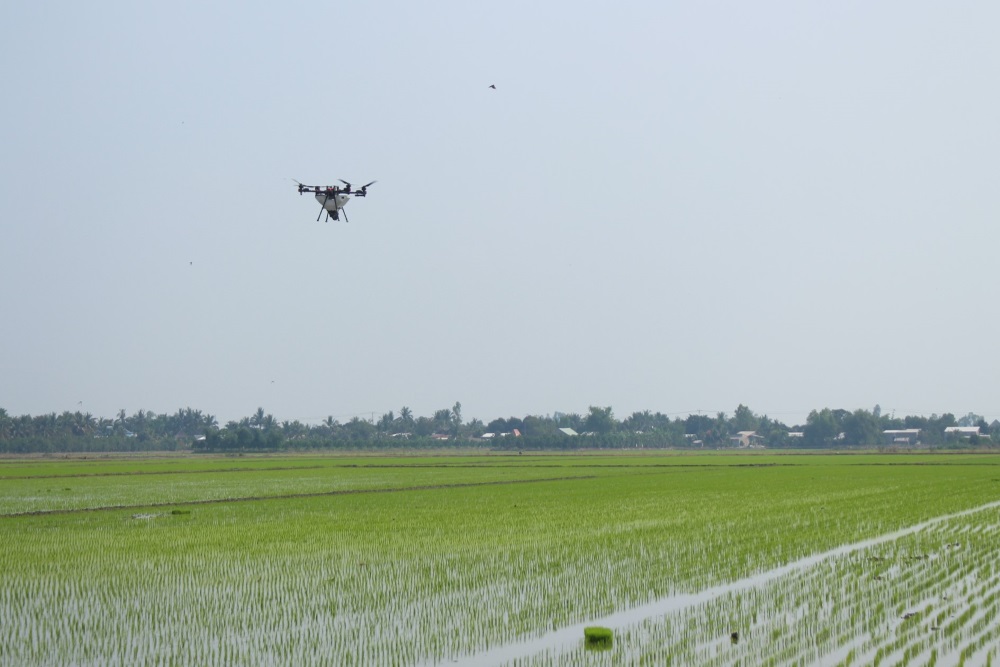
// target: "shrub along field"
[[379, 560]]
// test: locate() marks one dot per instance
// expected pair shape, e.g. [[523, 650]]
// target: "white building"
[[902, 436], [962, 431]]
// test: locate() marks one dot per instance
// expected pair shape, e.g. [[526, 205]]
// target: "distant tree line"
[[83, 432], [598, 428]]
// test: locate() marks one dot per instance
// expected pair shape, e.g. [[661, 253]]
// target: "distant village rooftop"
[[747, 439], [901, 436]]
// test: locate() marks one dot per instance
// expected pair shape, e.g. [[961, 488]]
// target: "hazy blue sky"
[[663, 205]]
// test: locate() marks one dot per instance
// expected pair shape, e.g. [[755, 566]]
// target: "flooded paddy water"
[[938, 577]]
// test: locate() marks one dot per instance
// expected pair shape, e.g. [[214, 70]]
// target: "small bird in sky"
[[493, 86]]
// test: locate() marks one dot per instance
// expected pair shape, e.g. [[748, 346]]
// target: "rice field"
[[923, 598], [434, 560]]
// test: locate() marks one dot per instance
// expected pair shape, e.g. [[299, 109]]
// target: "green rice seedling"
[[598, 638], [908, 641]]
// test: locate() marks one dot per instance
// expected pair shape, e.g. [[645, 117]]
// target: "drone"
[[332, 198]]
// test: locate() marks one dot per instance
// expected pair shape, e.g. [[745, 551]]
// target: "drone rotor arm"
[[363, 190], [303, 188]]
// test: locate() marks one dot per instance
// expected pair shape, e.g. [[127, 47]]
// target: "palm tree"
[[208, 421], [66, 423], [104, 425], [24, 427], [45, 426], [83, 424], [140, 421], [329, 426], [442, 420], [268, 423], [292, 430], [385, 423]]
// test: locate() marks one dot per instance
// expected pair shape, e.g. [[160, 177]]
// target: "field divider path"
[[144, 473], [568, 637], [292, 496], [391, 466]]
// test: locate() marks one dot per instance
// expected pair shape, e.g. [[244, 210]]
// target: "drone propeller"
[[362, 189]]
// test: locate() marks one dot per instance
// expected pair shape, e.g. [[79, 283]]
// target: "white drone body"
[[332, 203]]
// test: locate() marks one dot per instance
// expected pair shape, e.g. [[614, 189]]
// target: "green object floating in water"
[[598, 638]]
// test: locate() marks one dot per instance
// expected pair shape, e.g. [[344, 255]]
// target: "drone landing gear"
[[322, 209], [329, 214]]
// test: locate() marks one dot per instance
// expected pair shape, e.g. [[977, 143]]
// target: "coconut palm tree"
[[268, 423], [386, 421], [406, 415]]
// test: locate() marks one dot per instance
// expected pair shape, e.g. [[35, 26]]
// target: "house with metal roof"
[[747, 439], [965, 432], [902, 436]]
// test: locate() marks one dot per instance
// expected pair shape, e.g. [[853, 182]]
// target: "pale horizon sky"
[[664, 206]]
